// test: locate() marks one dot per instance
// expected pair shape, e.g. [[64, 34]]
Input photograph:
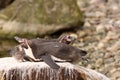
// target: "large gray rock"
[[39, 17]]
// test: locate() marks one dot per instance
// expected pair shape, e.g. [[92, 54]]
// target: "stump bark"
[[10, 69]]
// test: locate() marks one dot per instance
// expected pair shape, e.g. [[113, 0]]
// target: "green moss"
[[12, 35]]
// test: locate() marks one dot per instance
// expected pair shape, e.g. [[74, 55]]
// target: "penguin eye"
[[70, 38]]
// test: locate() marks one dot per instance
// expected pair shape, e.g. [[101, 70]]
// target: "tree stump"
[[10, 69]]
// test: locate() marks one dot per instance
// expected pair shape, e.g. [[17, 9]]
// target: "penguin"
[[59, 50], [26, 54]]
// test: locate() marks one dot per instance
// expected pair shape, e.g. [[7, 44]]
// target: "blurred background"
[[95, 23]]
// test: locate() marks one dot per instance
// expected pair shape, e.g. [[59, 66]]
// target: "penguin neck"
[[32, 45], [30, 50]]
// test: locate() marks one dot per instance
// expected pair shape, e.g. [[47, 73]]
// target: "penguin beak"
[[23, 42], [71, 38]]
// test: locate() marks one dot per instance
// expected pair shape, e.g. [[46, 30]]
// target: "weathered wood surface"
[[10, 69]]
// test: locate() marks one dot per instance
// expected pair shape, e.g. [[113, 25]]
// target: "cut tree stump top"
[[10, 69]]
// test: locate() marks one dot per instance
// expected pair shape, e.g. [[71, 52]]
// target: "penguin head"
[[67, 39]]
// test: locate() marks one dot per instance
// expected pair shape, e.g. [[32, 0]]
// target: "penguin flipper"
[[48, 60]]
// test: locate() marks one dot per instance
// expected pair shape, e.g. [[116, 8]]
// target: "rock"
[[108, 55], [101, 45], [39, 17], [116, 75], [114, 47], [100, 28], [99, 62], [5, 3], [109, 60]]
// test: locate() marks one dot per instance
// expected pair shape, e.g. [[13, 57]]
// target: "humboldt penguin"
[[26, 54], [59, 50]]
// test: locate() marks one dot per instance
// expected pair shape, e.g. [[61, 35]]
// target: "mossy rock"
[[39, 17]]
